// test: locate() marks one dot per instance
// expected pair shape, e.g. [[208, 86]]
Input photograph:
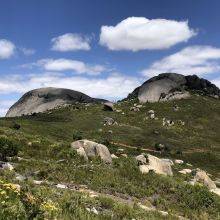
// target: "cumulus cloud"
[[67, 65], [7, 49], [4, 106], [216, 82], [109, 87], [140, 33], [199, 60], [70, 42]]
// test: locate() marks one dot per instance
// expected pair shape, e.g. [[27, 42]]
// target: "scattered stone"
[[109, 121], [139, 106], [151, 112], [120, 150], [7, 166], [178, 161], [39, 182], [167, 123], [135, 109], [185, 171], [181, 122], [92, 149], [110, 131], [176, 108], [94, 210], [113, 156], [118, 110], [61, 186], [108, 106], [19, 177], [124, 155]]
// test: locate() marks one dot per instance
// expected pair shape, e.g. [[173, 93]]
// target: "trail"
[[133, 147]]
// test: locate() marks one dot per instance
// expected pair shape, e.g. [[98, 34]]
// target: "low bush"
[[77, 135], [8, 148]]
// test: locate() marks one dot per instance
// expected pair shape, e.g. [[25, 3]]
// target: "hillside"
[[45, 155]]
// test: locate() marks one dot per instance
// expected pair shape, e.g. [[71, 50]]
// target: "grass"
[[45, 141]]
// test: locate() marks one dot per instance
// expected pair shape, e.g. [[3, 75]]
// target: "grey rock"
[[44, 99], [108, 106], [141, 159], [92, 149], [171, 86]]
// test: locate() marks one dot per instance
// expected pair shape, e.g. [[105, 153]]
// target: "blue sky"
[[104, 48]]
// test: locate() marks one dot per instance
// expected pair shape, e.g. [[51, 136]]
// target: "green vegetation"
[[43, 141]]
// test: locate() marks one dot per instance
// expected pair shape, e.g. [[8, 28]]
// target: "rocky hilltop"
[[43, 99], [169, 86]]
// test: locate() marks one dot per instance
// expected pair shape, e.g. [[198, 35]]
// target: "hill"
[[187, 128], [43, 99]]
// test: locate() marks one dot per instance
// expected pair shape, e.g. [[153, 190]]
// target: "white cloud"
[[140, 33], [109, 87], [70, 42], [27, 51], [199, 60], [68, 64], [216, 82], [7, 49], [4, 106]]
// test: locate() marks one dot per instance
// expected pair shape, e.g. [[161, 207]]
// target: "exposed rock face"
[[89, 149], [43, 99], [169, 86]]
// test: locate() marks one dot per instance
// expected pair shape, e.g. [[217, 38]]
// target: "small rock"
[[113, 156], [61, 186], [178, 161], [7, 166], [124, 155], [109, 121], [151, 112], [176, 108], [39, 182], [19, 177], [185, 171], [94, 210]]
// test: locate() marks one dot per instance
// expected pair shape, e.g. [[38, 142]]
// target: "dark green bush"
[[77, 135], [8, 148], [16, 126]]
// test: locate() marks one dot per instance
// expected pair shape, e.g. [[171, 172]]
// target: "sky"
[[104, 48]]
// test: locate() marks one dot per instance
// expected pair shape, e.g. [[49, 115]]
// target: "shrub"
[[16, 126], [8, 148], [77, 135]]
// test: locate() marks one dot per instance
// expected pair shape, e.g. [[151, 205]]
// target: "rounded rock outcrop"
[[43, 99]]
